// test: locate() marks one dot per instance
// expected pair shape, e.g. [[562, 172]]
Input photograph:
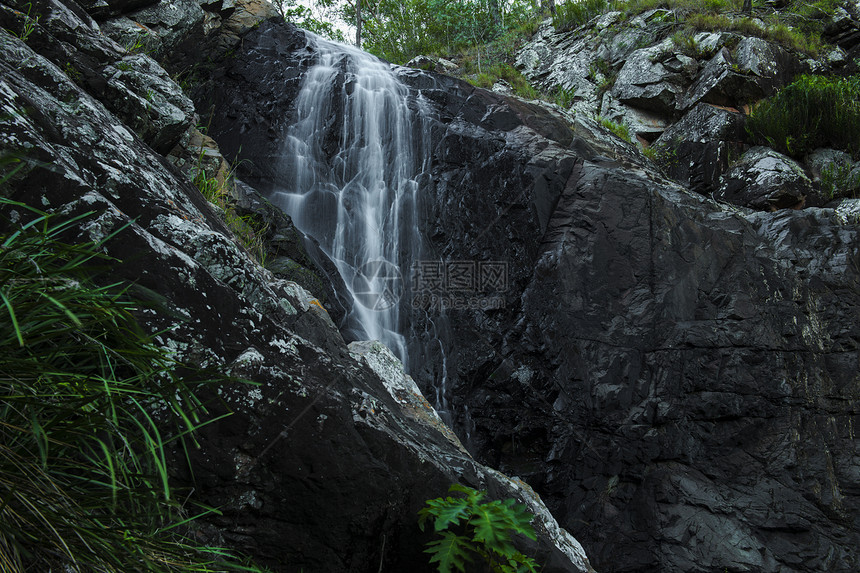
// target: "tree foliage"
[[470, 527], [400, 30], [304, 17]]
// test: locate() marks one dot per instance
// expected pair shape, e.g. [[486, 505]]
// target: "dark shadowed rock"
[[822, 159], [765, 179], [696, 150], [676, 378], [171, 22], [101, 9], [843, 28], [754, 70], [325, 462]]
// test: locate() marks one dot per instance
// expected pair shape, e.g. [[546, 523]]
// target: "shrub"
[[575, 13], [480, 528], [500, 70], [811, 112], [88, 407], [839, 180]]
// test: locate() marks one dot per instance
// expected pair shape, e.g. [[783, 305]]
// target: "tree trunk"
[[747, 9], [357, 23], [495, 14]]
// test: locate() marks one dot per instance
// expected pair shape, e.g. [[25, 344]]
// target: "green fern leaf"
[[493, 528], [450, 551], [521, 518], [443, 512], [473, 496], [519, 563]]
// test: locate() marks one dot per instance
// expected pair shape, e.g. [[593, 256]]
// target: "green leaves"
[[811, 112], [469, 526], [452, 551]]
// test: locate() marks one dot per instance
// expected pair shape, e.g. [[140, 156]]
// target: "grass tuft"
[[574, 13], [619, 129], [89, 406], [811, 112], [248, 230]]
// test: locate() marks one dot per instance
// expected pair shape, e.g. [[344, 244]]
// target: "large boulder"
[[696, 150], [101, 9], [767, 180], [646, 83], [754, 70], [169, 22]]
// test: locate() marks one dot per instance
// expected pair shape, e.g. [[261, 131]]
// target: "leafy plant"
[[811, 112], [651, 153], [470, 527], [564, 97], [840, 180], [88, 409]]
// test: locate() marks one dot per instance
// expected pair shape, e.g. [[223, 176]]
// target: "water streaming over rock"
[[355, 158]]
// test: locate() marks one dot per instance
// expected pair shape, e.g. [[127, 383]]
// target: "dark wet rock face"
[[323, 463], [766, 180], [696, 150], [678, 379]]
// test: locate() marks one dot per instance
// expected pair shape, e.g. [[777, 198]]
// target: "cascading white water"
[[354, 158]]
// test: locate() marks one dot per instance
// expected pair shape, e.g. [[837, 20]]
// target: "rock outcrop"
[[677, 378], [327, 457], [655, 78]]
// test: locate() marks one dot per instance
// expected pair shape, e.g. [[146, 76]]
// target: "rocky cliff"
[[323, 463], [677, 377]]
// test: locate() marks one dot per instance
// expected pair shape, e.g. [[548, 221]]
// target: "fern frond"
[[450, 551]]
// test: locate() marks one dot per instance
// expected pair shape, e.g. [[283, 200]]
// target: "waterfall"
[[353, 160]]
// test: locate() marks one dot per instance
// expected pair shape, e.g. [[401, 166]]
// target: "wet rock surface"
[[766, 180], [678, 379], [321, 466], [695, 151]]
